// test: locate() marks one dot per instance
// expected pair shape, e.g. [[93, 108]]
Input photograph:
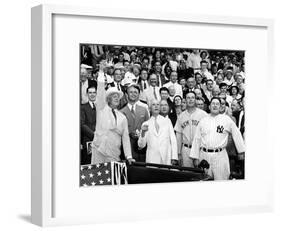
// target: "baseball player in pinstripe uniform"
[[211, 138], [185, 128]]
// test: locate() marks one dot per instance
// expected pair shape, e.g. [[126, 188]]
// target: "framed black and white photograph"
[[147, 117], [162, 94]]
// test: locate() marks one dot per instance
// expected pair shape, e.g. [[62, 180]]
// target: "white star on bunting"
[[99, 173], [83, 177], [101, 181], [91, 175]]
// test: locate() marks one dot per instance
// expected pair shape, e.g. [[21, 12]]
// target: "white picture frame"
[[43, 101]]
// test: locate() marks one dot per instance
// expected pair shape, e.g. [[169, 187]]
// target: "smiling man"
[[158, 134], [211, 138], [88, 123], [111, 126], [136, 114]]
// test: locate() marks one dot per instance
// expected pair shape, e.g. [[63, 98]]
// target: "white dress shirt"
[[178, 87], [149, 94]]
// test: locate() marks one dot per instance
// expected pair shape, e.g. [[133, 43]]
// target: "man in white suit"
[[158, 134], [111, 126]]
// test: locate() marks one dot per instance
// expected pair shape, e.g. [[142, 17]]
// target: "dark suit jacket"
[[88, 123], [141, 115], [122, 88], [172, 113], [163, 80]]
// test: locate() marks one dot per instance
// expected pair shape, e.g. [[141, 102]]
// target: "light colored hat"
[[113, 90], [229, 70], [86, 66], [119, 66]]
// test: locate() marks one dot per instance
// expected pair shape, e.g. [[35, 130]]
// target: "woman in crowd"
[[234, 92], [178, 104]]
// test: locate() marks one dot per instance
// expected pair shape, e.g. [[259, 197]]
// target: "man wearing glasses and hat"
[[111, 126]]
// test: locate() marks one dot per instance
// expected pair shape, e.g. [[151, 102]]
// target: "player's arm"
[[195, 149], [179, 142], [178, 129]]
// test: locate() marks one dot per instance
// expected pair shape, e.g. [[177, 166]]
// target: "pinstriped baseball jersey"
[[212, 133], [187, 123]]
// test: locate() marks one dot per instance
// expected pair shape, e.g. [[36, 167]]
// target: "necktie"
[[118, 86], [133, 111], [144, 85], [154, 93], [156, 125], [114, 114], [158, 80]]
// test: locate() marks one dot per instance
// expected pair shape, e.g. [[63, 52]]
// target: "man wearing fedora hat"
[[111, 126]]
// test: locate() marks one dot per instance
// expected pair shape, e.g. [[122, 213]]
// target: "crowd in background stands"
[[166, 73]]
